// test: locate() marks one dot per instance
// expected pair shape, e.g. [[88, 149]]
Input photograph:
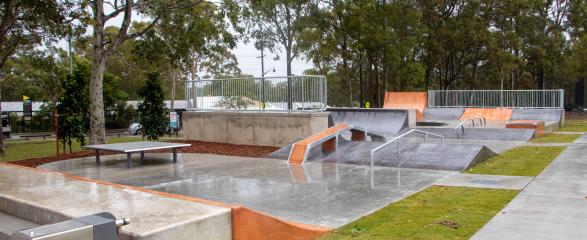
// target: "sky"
[[246, 54]]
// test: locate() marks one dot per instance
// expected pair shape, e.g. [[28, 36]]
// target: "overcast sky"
[[246, 54]]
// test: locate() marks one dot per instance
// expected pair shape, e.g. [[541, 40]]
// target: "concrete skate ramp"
[[484, 133], [495, 114], [443, 114], [380, 121], [451, 157], [407, 100], [546, 115]]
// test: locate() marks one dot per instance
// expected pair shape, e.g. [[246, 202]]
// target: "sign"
[[27, 108], [173, 120]]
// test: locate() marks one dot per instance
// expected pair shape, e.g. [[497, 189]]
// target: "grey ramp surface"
[[10, 224], [330, 195], [443, 114], [136, 146], [484, 133], [547, 115], [383, 121]]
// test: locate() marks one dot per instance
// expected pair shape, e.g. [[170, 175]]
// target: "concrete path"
[[553, 206], [485, 181], [570, 132], [531, 144]]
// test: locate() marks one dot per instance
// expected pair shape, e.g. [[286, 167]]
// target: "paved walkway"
[[553, 206], [547, 144], [485, 181]]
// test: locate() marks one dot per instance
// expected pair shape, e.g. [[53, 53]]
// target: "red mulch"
[[197, 147]]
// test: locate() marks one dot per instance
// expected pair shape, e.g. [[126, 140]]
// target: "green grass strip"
[[574, 125], [520, 161], [435, 213], [556, 138]]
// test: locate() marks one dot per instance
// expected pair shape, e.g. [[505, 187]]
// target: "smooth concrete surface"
[[485, 181], [546, 115], [316, 193], [443, 114], [10, 224], [553, 206], [484, 133], [252, 127], [47, 197], [380, 121]]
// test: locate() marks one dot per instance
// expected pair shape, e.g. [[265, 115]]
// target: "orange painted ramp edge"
[[246, 223], [497, 114], [298, 151], [407, 100]]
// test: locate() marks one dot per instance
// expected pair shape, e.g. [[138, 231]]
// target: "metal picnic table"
[[133, 147]]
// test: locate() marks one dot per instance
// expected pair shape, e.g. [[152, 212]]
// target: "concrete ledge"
[[262, 128], [44, 197]]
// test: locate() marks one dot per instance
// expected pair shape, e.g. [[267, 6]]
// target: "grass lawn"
[[435, 213], [18, 150], [556, 138], [574, 125], [520, 161]]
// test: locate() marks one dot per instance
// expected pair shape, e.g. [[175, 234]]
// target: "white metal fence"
[[269, 93], [497, 98]]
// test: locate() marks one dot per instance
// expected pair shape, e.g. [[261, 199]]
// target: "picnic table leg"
[[129, 160], [174, 155], [142, 156], [97, 157]]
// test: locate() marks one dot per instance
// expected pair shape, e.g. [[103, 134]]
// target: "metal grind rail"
[[398, 139], [461, 128]]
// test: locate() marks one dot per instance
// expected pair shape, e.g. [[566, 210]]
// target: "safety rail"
[[398, 138], [548, 98], [461, 128]]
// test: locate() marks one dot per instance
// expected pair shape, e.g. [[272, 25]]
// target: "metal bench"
[[28, 136], [134, 147]]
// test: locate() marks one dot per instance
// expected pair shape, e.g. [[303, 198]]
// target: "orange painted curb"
[[246, 223], [299, 149], [537, 125]]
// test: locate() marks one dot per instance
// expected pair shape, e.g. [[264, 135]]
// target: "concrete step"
[[10, 224]]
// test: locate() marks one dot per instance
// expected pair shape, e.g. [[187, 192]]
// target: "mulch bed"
[[197, 147]]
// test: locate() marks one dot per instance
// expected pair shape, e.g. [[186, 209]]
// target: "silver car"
[[135, 129]]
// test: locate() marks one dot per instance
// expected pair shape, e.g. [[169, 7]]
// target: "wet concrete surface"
[[325, 194]]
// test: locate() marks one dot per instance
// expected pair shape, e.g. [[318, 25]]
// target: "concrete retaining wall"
[[252, 127]]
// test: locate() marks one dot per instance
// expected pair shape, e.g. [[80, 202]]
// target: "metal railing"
[[497, 98], [269, 93], [461, 128], [398, 138]]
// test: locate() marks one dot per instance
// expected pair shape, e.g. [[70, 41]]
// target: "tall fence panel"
[[497, 98], [269, 93]]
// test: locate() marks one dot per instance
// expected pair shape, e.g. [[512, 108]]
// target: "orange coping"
[[299, 148], [497, 114], [407, 100], [537, 125], [246, 223]]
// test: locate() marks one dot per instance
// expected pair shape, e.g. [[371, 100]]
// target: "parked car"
[[135, 129]]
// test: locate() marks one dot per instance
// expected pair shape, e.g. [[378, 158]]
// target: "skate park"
[[333, 166]]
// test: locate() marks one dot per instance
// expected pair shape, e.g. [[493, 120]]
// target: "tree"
[[280, 23], [103, 46], [152, 111], [74, 106]]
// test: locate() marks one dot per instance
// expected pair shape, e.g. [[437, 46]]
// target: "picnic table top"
[[136, 146]]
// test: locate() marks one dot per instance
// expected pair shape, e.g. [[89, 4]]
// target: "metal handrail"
[[398, 141], [461, 126]]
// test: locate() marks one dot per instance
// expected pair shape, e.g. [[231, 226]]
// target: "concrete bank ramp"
[[553, 118], [381, 121], [484, 133], [443, 114], [451, 157]]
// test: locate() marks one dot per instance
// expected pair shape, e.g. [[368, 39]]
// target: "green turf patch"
[[520, 161], [19, 150], [574, 125], [556, 138], [435, 213]]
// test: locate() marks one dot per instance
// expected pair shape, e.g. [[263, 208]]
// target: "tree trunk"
[[97, 131], [173, 79]]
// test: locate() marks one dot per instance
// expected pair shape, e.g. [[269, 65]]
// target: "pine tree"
[[152, 111]]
